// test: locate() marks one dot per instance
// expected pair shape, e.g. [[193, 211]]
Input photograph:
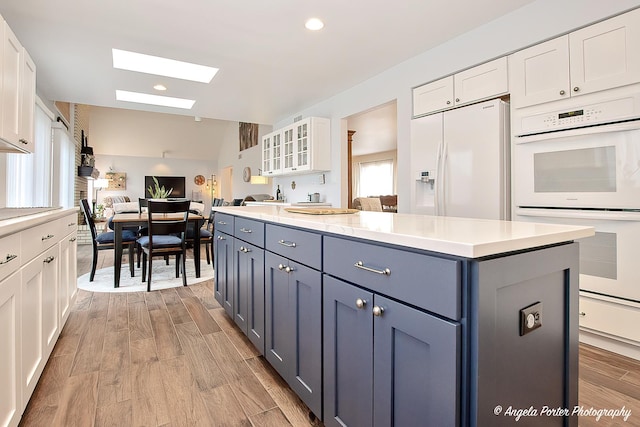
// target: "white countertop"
[[471, 238], [281, 203], [13, 225]]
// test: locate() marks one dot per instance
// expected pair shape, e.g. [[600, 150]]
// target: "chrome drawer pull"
[[8, 259], [287, 244], [222, 223], [71, 224], [245, 230], [47, 237], [361, 266], [49, 259]]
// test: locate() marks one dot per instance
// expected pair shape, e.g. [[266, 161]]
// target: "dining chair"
[[206, 235], [106, 240], [166, 236]]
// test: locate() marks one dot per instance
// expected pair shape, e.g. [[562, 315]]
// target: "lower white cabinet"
[[67, 287], [39, 315], [10, 343], [38, 287]]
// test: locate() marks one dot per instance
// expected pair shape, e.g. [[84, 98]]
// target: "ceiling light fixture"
[[145, 98], [314, 24], [160, 87], [159, 66]]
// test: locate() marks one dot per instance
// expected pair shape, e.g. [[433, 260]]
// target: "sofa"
[[387, 203]]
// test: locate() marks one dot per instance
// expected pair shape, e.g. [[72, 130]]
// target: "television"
[[175, 182]]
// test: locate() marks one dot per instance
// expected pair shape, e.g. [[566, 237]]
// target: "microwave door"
[[591, 170]]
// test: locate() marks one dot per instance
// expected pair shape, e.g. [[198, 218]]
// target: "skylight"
[[159, 66], [144, 98]]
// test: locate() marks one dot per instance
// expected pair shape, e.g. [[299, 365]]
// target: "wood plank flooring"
[[174, 358]]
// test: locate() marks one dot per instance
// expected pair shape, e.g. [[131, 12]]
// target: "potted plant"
[[158, 192]]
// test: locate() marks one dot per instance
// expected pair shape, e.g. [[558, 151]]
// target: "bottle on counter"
[[278, 193]]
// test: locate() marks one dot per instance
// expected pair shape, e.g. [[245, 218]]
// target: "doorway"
[[226, 184], [372, 152]]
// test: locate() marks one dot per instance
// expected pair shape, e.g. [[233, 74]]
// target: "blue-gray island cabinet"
[[378, 319]]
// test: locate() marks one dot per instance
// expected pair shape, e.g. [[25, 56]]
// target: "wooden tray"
[[321, 211]]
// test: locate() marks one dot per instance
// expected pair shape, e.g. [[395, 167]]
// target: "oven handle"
[[587, 130], [579, 214]]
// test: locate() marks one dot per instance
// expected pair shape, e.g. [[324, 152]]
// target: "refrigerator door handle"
[[443, 167], [436, 190]]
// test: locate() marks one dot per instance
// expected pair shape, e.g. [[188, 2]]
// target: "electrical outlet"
[[530, 318]]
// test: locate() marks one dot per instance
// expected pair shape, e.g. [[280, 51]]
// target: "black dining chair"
[[166, 236], [206, 235], [106, 240]]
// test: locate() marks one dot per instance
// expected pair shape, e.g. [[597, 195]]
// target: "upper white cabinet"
[[27, 101], [598, 57], [298, 148], [17, 94], [481, 82]]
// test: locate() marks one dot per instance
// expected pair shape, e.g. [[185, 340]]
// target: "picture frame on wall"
[[248, 135]]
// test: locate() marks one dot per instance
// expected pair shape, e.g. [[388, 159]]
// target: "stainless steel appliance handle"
[[436, 190]]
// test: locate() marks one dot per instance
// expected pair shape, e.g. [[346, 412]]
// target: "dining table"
[[126, 220]]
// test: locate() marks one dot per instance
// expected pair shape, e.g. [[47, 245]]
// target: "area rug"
[[163, 277]]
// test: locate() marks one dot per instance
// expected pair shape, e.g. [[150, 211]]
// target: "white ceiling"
[[271, 67]]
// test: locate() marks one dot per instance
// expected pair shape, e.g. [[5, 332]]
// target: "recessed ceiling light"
[[160, 87], [159, 66], [314, 24], [145, 98]]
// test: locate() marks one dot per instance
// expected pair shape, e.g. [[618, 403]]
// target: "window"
[[29, 175], [375, 178]]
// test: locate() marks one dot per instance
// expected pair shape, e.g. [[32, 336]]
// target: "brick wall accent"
[[80, 122]]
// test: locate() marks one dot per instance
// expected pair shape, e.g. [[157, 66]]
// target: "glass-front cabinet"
[[301, 147]]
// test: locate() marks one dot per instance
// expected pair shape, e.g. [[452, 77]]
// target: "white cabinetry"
[[481, 82], [17, 94], [27, 101], [598, 57], [11, 50], [10, 370], [298, 148], [37, 288]]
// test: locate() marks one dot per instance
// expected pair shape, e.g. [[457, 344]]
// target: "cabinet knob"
[[562, 92], [377, 311], [448, 102], [288, 269], [24, 141], [582, 314], [576, 89], [221, 238], [457, 99], [360, 303]]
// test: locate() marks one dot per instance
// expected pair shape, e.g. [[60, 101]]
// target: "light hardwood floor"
[[173, 358]]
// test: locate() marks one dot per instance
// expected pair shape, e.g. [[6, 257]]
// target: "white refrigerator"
[[460, 162]]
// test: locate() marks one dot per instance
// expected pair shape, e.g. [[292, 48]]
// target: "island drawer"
[[69, 223], [297, 245], [250, 230], [223, 222], [9, 254], [425, 281]]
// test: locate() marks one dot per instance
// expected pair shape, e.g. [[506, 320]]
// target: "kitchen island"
[[395, 319]]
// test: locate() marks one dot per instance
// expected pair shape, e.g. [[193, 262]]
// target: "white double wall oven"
[[577, 162]]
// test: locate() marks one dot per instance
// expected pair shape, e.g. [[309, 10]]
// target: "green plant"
[[99, 211], [158, 192]]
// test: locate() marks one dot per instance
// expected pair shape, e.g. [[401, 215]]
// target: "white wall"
[[137, 168], [3, 180], [190, 148], [529, 25]]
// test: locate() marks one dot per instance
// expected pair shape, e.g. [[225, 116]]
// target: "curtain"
[[29, 175], [375, 178]]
